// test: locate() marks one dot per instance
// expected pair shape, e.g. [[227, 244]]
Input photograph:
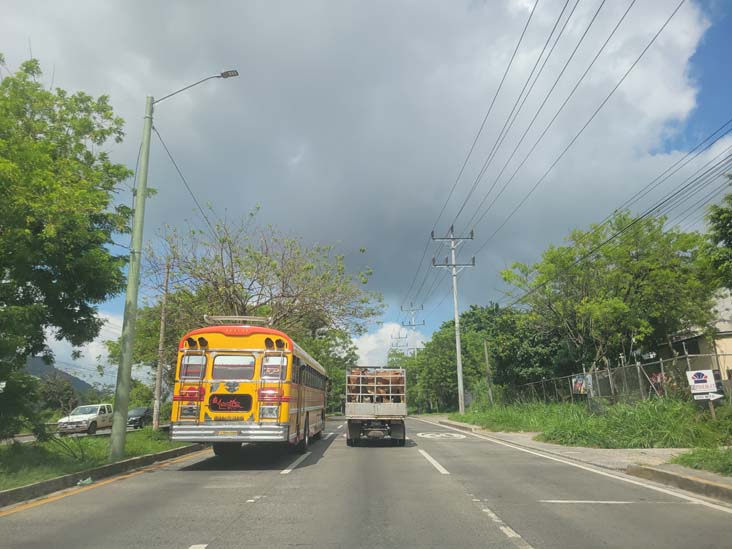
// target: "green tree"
[[57, 393], [608, 299], [719, 250], [140, 394], [59, 217], [239, 270], [336, 352]]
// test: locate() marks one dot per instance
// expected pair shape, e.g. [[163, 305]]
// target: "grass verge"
[[657, 423], [717, 460], [22, 464]]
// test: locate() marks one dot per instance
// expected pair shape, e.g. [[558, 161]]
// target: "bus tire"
[[302, 446]]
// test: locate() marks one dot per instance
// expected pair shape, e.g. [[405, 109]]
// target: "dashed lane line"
[[586, 501], [295, 463], [679, 495], [199, 546], [434, 462], [509, 532]]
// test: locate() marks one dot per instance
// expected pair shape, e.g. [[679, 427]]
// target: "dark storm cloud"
[[350, 120]]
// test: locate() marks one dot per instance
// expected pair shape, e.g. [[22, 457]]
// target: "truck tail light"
[[190, 394]]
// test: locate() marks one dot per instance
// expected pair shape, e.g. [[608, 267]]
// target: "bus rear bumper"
[[222, 432]]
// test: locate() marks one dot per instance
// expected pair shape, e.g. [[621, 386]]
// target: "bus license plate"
[[228, 433]]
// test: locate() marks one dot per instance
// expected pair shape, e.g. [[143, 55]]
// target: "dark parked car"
[[139, 417]]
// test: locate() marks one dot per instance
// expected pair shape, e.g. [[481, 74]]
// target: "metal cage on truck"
[[376, 404]]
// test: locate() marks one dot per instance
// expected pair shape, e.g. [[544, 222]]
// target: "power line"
[[470, 152], [487, 114], [584, 127], [669, 172], [183, 179], [651, 211], [694, 183], [536, 115], [501, 134]]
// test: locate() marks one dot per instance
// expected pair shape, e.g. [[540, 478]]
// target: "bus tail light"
[[190, 394], [273, 395]]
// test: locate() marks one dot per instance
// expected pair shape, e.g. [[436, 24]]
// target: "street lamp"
[[124, 373]]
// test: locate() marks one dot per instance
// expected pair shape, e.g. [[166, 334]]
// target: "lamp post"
[[124, 373]]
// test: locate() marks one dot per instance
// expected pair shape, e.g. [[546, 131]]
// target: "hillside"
[[37, 367]]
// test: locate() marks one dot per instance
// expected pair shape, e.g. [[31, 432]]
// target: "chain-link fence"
[[628, 382]]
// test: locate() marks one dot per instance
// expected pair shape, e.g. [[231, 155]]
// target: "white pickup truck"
[[376, 405], [86, 419]]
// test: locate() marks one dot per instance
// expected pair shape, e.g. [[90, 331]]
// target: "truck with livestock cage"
[[376, 405]]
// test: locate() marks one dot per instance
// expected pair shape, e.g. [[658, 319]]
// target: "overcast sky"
[[350, 120]]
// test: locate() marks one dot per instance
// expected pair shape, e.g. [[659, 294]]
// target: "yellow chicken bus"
[[241, 383]]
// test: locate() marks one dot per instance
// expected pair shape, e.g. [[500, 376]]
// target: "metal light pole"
[[124, 373]]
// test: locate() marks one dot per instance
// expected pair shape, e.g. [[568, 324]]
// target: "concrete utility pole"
[[161, 349], [124, 372], [456, 268]]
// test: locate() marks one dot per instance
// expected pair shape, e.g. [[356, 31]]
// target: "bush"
[[656, 423], [718, 460]]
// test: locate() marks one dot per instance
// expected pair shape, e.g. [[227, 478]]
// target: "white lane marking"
[[434, 462], [199, 546], [250, 501], [345, 435], [604, 502], [295, 463], [591, 469], [326, 435], [340, 426], [448, 436], [509, 532]]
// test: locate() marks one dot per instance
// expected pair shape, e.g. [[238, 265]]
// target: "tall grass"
[[657, 423], [718, 460], [22, 464]]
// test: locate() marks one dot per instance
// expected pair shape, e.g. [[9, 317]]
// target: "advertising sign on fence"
[[701, 381], [581, 384]]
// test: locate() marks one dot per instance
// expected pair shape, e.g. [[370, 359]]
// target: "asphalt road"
[[444, 489]]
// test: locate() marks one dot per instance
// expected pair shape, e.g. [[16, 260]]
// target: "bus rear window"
[[274, 367], [192, 366], [233, 367]]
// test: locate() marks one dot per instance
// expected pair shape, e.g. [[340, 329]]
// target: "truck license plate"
[[228, 433]]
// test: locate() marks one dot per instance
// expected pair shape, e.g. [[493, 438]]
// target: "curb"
[[45, 487], [456, 425], [690, 483]]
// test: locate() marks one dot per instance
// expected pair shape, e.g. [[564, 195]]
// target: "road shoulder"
[[650, 464], [43, 488]]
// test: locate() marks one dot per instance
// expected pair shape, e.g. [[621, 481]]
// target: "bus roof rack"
[[211, 319]]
